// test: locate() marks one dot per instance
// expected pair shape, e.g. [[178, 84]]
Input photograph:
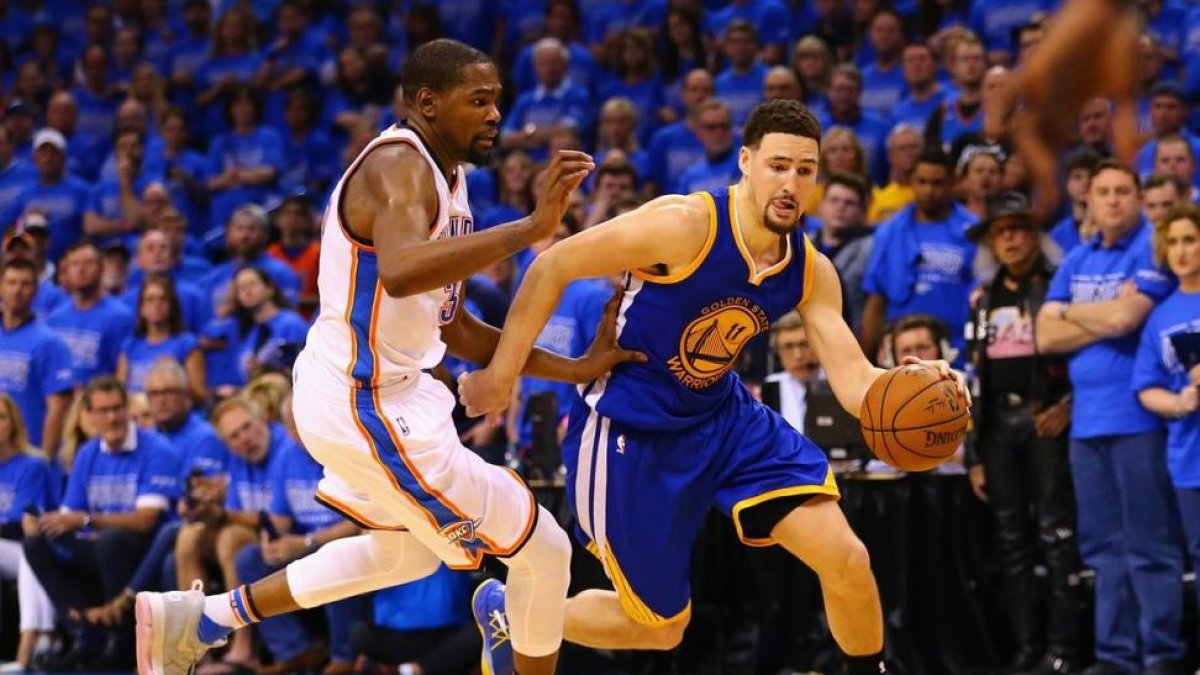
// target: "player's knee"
[[851, 562], [548, 549], [666, 637]]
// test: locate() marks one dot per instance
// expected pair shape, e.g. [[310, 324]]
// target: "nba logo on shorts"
[[403, 426]]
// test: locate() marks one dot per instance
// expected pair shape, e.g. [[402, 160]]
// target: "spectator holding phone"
[[1166, 374]]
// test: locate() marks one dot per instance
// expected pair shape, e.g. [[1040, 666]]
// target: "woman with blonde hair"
[[27, 487], [813, 64], [841, 152]]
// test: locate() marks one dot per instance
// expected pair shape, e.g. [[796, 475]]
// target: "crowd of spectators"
[[163, 169]]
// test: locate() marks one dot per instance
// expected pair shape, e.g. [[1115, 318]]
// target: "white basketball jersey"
[[364, 334]]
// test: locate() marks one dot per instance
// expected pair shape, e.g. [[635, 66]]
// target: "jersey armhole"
[[691, 267], [810, 269], [362, 242]]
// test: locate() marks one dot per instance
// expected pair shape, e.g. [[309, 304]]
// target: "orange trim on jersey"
[[350, 325], [533, 516], [756, 277], [372, 331], [345, 227], [810, 261], [700, 257]]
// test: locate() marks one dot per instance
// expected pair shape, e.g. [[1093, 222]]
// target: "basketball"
[[913, 419]]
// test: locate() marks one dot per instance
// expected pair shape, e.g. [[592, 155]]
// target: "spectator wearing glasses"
[[719, 168], [1022, 470], [798, 367]]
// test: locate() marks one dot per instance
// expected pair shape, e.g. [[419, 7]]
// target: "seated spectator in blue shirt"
[[1079, 170], [845, 89], [740, 85], [159, 333], [97, 101], [1168, 117], [181, 264], [233, 61], [562, 22], [184, 171], [513, 186], [291, 60], [556, 102], [114, 206], [421, 625], [246, 238], [244, 164], [27, 484], [1175, 156], [922, 259], [616, 133], [30, 239], [619, 16], [121, 485], [883, 78], [676, 147], [59, 196], [1161, 193], [152, 259], [923, 94], [305, 524], [19, 120], [189, 52], [35, 364], [719, 168], [15, 176], [996, 21], [132, 115], [92, 324], [260, 321], [769, 18], [310, 158], [962, 112], [781, 83], [1128, 522], [1166, 374], [361, 89], [635, 76]]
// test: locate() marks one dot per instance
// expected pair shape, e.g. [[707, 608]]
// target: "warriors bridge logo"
[[709, 346]]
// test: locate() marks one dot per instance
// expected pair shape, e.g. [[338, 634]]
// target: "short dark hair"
[[243, 92], [1156, 180], [78, 245], [780, 117], [103, 383], [21, 264], [936, 156], [1174, 138], [851, 181], [616, 167], [1085, 158], [916, 321], [742, 26], [437, 65], [1113, 164]]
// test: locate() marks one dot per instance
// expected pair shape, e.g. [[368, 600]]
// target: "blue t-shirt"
[[15, 178], [250, 485], [647, 97], [63, 204], [470, 21], [140, 356], [102, 481], [195, 210], [242, 68], [295, 475], [310, 163], [995, 20], [924, 267], [220, 280], [25, 481], [192, 300], [568, 332], [93, 335], [882, 89], [1101, 372], [673, 150], [96, 112], [581, 69], [1065, 233], [955, 125], [261, 147], [872, 132], [769, 17], [622, 14], [916, 113], [231, 364], [49, 297], [198, 447], [568, 105], [741, 91], [710, 175], [436, 601], [1173, 326], [34, 364]]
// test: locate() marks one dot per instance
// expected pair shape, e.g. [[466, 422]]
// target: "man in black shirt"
[[1022, 467]]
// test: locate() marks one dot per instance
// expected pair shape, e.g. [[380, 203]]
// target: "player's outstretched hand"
[[565, 173], [946, 372], [604, 354], [482, 392]]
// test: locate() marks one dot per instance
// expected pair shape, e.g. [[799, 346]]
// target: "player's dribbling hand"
[[565, 173], [482, 392], [604, 353], [946, 372]]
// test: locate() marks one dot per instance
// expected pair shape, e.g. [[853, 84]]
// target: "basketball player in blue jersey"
[[651, 446], [396, 244]]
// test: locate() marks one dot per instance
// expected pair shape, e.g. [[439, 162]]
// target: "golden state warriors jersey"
[[364, 337], [694, 324]]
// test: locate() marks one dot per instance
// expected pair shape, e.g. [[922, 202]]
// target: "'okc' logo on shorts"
[[463, 534], [709, 346]]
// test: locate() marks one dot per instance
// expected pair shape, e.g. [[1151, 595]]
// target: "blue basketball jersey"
[[694, 324]]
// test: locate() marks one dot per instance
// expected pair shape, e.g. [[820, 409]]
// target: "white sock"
[[219, 608]]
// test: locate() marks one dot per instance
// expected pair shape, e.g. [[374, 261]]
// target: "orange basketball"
[[913, 419]]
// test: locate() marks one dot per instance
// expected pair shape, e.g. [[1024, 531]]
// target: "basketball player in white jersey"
[[397, 243]]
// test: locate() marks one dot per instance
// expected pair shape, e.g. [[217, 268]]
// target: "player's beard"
[[779, 227], [479, 157]]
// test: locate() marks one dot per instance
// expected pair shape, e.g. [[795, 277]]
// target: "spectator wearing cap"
[[92, 324], [904, 144], [309, 154], [676, 147], [1128, 525], [740, 85], [59, 196], [260, 321], [845, 90], [1174, 155], [244, 164], [719, 168], [922, 258], [1066, 232], [121, 484], [883, 78], [16, 175], [1021, 466], [159, 332], [1166, 373], [923, 94], [980, 169], [246, 237], [845, 239], [556, 102], [19, 122], [299, 247], [1168, 115], [29, 240], [305, 525], [1162, 193]]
